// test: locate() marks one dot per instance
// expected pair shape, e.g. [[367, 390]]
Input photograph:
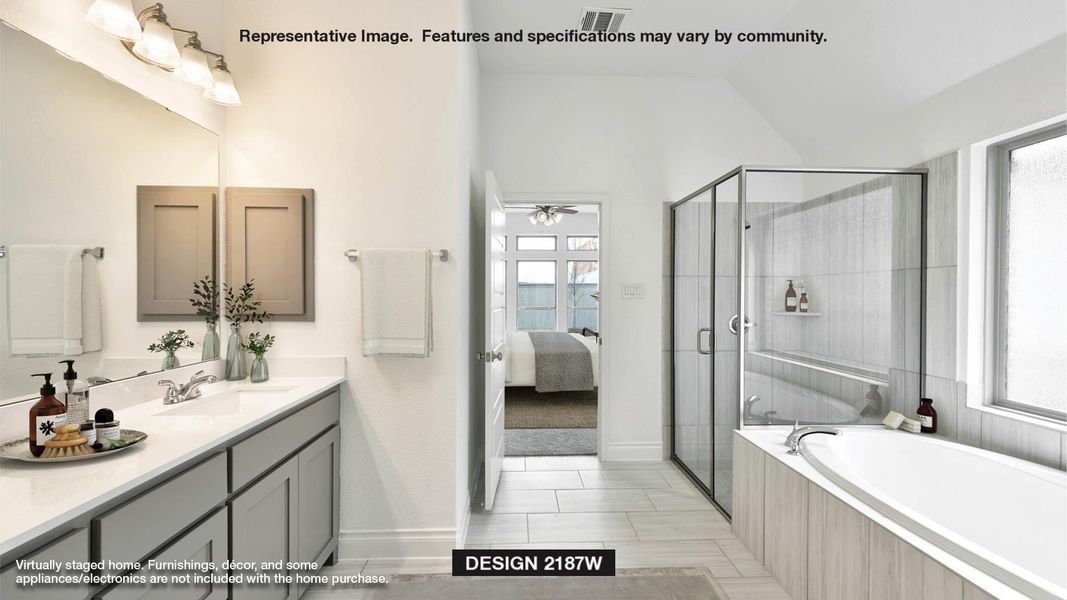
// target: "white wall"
[[643, 142], [61, 24], [74, 147], [384, 136]]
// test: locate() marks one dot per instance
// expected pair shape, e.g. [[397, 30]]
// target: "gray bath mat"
[[549, 442]]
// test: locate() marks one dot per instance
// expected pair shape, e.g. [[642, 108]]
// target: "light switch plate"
[[633, 291]]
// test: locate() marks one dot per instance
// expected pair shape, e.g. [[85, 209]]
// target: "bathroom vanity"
[[246, 473]]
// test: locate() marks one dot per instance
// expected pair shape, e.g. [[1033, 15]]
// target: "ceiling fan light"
[[157, 44], [115, 17], [541, 216], [557, 217], [532, 217]]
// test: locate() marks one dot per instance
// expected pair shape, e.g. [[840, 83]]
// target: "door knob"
[[490, 356], [732, 324]]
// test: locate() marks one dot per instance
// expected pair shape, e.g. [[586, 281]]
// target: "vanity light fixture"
[[149, 37], [116, 18]]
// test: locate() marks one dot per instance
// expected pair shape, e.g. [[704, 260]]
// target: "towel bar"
[[353, 255], [98, 251]]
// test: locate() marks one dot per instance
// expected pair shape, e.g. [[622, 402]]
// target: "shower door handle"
[[732, 324], [700, 340]]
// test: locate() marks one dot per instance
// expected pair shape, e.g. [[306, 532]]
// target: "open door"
[[495, 335]]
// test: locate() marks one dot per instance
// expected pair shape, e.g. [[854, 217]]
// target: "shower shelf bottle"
[[927, 416], [790, 298], [803, 302]]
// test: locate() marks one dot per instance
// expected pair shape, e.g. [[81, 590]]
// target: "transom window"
[[1029, 291], [583, 242], [535, 242]]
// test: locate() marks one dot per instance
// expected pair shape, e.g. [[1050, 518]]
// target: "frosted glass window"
[[535, 242], [1033, 281], [535, 305]]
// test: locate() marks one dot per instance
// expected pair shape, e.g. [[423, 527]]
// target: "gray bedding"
[[561, 363]]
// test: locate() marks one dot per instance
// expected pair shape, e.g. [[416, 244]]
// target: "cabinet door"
[[73, 546], [264, 529], [270, 239], [319, 498], [207, 542]]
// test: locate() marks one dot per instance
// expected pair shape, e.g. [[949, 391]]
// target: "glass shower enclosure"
[[796, 297]]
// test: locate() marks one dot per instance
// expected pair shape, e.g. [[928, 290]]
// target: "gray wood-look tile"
[[973, 592], [844, 224], [680, 525], [906, 326], [941, 322], [943, 393], [877, 225], [686, 236], [1022, 440], [877, 322], [550, 546], [525, 501], [580, 527], [896, 569], [907, 215], [623, 479], [678, 499], [743, 560], [786, 527], [610, 500], [968, 420], [941, 211], [838, 548], [754, 588], [562, 463], [686, 312], [496, 528], [939, 583], [726, 234], [399, 566], [748, 495], [673, 554], [540, 480], [814, 240], [675, 479], [514, 463], [636, 465]]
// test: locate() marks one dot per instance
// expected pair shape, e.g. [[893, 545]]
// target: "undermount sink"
[[228, 402]]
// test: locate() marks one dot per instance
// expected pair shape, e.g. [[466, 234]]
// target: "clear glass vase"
[[210, 347], [236, 369], [259, 369], [170, 361]]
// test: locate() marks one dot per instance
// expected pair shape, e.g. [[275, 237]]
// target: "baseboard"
[[633, 451], [396, 543]]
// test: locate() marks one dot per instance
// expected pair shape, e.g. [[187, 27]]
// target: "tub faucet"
[[798, 433]]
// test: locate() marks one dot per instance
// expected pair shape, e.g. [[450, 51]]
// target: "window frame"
[[520, 237], [555, 290], [998, 199]]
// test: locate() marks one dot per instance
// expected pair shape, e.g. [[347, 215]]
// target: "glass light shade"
[[557, 217], [193, 68], [223, 92], [115, 17], [533, 219], [541, 217], [157, 45]]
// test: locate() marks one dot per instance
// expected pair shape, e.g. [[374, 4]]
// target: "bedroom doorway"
[[552, 364]]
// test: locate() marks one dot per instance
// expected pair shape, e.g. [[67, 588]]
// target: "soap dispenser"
[[77, 397], [790, 298], [45, 416]]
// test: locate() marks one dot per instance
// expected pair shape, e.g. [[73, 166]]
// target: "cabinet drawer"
[[143, 524], [253, 456], [207, 542], [72, 546]]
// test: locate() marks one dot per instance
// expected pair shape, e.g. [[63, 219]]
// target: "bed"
[[521, 364]]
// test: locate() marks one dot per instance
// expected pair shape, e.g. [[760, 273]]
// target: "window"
[[535, 304], [583, 242], [1029, 226], [535, 242], [583, 283]]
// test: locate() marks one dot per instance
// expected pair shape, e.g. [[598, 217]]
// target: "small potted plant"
[[206, 302], [171, 342], [241, 307], [258, 344]]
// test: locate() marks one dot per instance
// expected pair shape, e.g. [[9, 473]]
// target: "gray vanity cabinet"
[[72, 546], [319, 499], [264, 524], [207, 542]]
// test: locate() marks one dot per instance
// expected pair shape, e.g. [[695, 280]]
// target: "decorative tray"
[[20, 449]]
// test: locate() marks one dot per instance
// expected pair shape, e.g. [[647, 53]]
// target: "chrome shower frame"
[[742, 172]]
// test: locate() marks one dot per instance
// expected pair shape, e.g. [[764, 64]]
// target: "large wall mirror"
[[107, 217]]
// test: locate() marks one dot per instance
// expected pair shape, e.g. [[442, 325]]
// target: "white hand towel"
[[397, 307], [45, 296], [92, 338]]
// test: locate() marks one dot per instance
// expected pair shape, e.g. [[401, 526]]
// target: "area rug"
[[549, 442], [628, 584], [525, 408]]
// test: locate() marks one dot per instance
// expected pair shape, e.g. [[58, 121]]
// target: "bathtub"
[[1003, 516], [785, 403]]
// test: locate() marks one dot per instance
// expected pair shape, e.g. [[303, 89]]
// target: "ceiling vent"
[[603, 19]]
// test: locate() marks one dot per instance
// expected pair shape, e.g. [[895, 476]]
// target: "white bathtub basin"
[[1005, 517]]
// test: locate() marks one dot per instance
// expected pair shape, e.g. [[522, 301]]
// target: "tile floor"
[[648, 512]]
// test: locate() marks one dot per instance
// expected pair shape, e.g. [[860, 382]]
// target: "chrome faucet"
[[188, 391], [798, 433]]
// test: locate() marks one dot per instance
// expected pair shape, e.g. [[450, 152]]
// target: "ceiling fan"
[[550, 214]]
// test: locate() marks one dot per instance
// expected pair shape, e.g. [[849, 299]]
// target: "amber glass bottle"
[[45, 416], [790, 298], [927, 416]]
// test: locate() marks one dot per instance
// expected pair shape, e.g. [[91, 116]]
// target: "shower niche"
[[797, 297]]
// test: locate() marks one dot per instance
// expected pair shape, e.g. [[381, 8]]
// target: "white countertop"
[[39, 497]]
